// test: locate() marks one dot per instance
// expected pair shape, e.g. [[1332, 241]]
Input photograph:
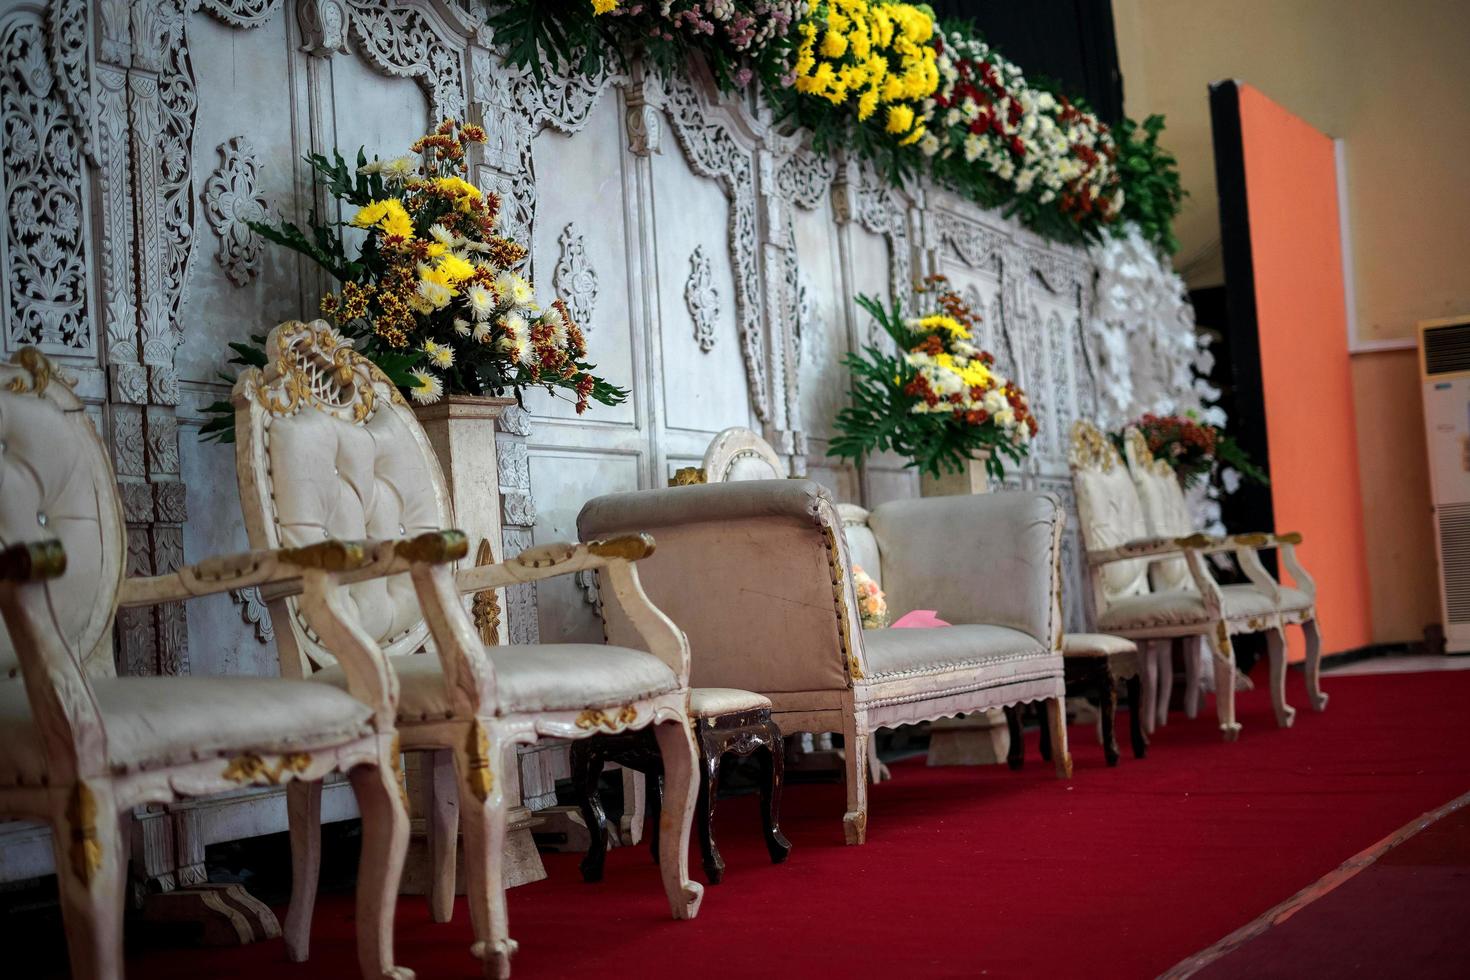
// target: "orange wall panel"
[[1296, 254]]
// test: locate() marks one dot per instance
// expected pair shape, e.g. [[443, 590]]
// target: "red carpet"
[[1117, 873]]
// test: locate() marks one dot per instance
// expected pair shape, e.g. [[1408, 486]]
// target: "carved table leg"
[[773, 772], [586, 766], [1016, 754], [1109, 709], [653, 794], [1045, 741], [711, 748], [1135, 717]]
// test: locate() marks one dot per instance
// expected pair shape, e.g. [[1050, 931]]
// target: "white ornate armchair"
[[79, 745], [1120, 550], [1166, 513], [325, 445], [758, 574]]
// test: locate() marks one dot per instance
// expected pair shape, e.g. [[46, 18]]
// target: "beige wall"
[[1392, 80]]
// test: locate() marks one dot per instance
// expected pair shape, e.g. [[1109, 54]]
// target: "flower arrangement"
[[872, 603], [1007, 143], [878, 78], [939, 399], [432, 295], [858, 57], [732, 35], [1194, 449]]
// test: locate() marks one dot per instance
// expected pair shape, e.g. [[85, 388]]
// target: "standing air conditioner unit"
[[1444, 369]]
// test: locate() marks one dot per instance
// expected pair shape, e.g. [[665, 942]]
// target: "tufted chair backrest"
[[1108, 508], [737, 454], [55, 483], [1164, 509], [326, 447]]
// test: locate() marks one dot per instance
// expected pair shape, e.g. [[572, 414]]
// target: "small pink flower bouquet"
[[872, 603]]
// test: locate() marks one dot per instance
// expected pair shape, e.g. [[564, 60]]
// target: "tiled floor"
[[1409, 663]]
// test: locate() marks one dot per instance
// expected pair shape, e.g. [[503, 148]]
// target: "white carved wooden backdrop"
[[712, 259]]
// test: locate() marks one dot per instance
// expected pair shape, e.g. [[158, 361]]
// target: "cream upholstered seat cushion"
[[1096, 645], [708, 702], [1186, 608], [532, 677], [153, 722], [995, 650]]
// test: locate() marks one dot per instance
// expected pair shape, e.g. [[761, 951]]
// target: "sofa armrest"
[[990, 559], [754, 573]]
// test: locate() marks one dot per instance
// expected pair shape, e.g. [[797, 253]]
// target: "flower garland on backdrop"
[[885, 81], [432, 295], [1197, 451], [939, 399]]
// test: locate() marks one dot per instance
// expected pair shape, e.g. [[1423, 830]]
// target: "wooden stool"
[[724, 720], [1094, 663]]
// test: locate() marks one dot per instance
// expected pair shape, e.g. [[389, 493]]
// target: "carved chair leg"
[[304, 817], [1135, 718], [635, 806], [384, 809], [1108, 709], [1224, 663], [680, 757], [704, 813], [772, 762], [481, 770], [1164, 672], [1016, 754], [1056, 717], [1044, 741], [653, 794], [91, 873], [585, 761], [1276, 654], [1149, 676], [443, 827], [855, 752], [1315, 695], [1192, 676]]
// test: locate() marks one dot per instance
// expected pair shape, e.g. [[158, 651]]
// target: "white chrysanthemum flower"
[[371, 168], [481, 332], [481, 300], [437, 295], [427, 387], [514, 289], [929, 145], [973, 145], [443, 235], [399, 169], [462, 326], [440, 355]]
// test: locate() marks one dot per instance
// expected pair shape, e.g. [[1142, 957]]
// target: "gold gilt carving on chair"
[[79, 745], [325, 446], [1120, 548]]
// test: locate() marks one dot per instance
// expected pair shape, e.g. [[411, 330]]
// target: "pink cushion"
[[919, 619]]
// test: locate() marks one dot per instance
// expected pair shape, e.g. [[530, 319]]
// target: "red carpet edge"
[[1317, 889]]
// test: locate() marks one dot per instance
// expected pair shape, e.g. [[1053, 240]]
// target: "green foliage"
[[1152, 192]]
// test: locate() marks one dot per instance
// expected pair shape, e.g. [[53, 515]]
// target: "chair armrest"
[[33, 561], [239, 571], [1158, 548]]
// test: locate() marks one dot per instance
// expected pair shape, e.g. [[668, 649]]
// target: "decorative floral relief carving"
[[241, 13], [702, 299], [323, 26], [805, 177], [253, 611], [713, 151], [575, 279], [645, 132], [231, 202], [400, 41], [45, 252]]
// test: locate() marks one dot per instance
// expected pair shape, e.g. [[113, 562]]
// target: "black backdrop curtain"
[[1070, 42]]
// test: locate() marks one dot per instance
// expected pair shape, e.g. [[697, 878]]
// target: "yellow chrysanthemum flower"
[[834, 45], [900, 119], [948, 324], [600, 7], [455, 269], [387, 215]]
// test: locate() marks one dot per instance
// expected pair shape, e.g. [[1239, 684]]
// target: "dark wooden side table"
[[1094, 663], [725, 721]]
